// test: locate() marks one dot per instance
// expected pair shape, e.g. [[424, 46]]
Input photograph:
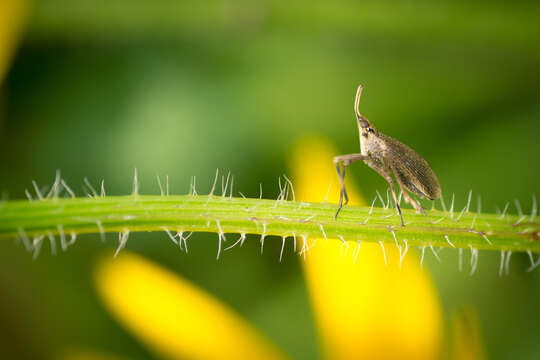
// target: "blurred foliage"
[[182, 88]]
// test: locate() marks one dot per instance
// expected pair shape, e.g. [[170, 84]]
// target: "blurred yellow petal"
[[466, 336], [173, 317], [365, 310], [12, 13]]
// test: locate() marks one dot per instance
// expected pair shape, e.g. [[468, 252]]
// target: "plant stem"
[[217, 214]]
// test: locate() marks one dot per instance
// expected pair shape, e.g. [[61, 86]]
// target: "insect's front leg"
[[345, 160]]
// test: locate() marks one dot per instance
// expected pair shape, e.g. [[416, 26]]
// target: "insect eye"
[[371, 130]]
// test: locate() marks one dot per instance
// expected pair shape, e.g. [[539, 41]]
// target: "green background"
[[183, 88]]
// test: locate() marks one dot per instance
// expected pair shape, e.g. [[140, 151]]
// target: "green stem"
[[216, 214]]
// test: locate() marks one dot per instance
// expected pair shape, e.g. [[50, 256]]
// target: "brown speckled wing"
[[413, 171]]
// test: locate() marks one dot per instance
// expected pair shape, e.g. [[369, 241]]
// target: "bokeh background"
[[184, 87]]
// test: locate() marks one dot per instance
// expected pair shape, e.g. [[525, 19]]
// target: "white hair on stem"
[[485, 237], [422, 257], [501, 265], [442, 203], [434, 252], [343, 241], [474, 260], [239, 241], [221, 237], [232, 184], [448, 240], [72, 239], [472, 222], [55, 188], [452, 207], [90, 187], [170, 235], [323, 232], [161, 191], [36, 189], [62, 236], [122, 241], [466, 208], [214, 183], [401, 257], [384, 252], [370, 211], [507, 263], [291, 186], [304, 247], [381, 199], [135, 182], [356, 251], [437, 221], [263, 235], [183, 239], [533, 263], [103, 194], [25, 240], [100, 229], [469, 200], [36, 245], [282, 247], [224, 184], [518, 207], [327, 192], [503, 214]]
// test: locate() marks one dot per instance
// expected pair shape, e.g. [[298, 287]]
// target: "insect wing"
[[413, 171]]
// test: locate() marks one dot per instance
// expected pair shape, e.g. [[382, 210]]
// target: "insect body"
[[388, 157]]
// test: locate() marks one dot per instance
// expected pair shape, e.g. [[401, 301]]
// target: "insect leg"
[[415, 204], [386, 175], [343, 190], [345, 160], [396, 201], [391, 183]]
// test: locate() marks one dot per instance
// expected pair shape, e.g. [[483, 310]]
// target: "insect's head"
[[364, 126]]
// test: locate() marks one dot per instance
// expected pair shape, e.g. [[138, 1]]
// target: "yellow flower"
[[173, 317], [12, 13], [363, 310], [467, 343]]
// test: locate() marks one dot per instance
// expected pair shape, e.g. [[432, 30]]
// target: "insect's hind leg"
[[391, 183], [386, 175], [415, 204], [396, 202]]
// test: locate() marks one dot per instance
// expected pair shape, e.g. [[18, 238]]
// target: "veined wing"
[[413, 171]]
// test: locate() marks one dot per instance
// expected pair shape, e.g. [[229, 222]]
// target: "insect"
[[388, 157]]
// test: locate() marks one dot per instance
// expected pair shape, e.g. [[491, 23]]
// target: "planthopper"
[[389, 157]]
